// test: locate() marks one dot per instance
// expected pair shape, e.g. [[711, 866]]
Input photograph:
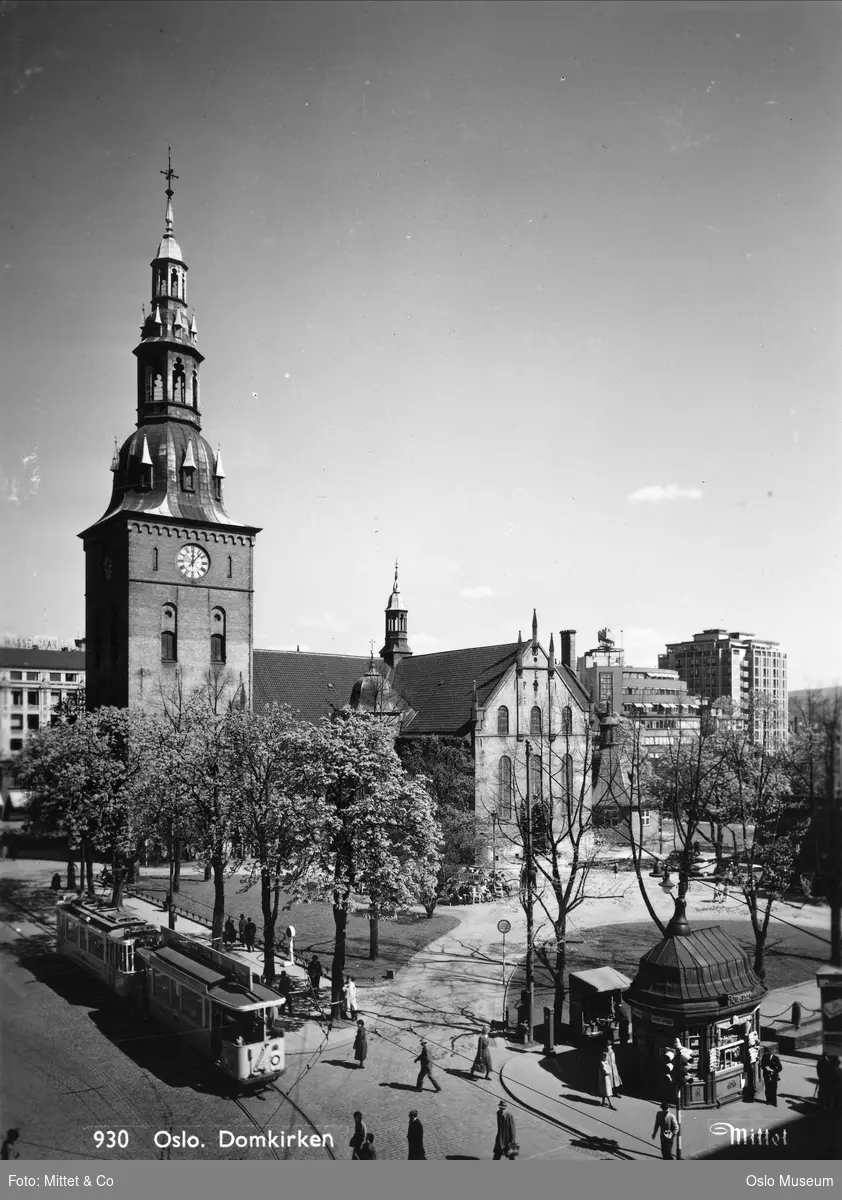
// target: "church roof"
[[315, 685], [440, 686], [437, 688]]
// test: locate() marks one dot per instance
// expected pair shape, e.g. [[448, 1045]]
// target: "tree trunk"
[[218, 919], [269, 918], [373, 931], [89, 869], [560, 992], [208, 872], [176, 872], [337, 970], [71, 869]]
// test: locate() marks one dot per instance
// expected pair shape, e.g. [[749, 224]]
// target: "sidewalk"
[[559, 1086]]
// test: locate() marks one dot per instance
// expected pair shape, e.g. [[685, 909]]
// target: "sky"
[[542, 300]]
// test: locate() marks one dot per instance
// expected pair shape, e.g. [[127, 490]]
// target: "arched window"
[[504, 777], [178, 382], [169, 632], [502, 719], [157, 388], [218, 635], [155, 559], [535, 722], [567, 719], [196, 389], [567, 774]]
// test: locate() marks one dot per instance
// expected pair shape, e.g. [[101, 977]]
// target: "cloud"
[[476, 593], [655, 494]]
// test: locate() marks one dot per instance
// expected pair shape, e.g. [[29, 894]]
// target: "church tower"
[[168, 574], [396, 646]]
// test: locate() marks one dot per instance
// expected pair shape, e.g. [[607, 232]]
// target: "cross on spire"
[[169, 174]]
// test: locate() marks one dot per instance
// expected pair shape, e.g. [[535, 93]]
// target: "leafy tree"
[[278, 814], [91, 778], [380, 835], [446, 768]]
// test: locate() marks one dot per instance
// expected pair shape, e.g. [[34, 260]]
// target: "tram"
[[210, 998], [103, 940], [205, 995]]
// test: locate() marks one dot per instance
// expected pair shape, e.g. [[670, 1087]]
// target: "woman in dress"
[[361, 1045], [605, 1080]]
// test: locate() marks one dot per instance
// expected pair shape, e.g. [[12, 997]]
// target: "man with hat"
[[426, 1061], [505, 1145]]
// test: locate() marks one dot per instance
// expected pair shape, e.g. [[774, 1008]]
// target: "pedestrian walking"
[[55, 882], [367, 1150], [666, 1124], [616, 1081], [285, 989], [361, 1045], [229, 936], [358, 1136], [771, 1069], [482, 1061], [605, 1081], [505, 1145], [623, 1027], [415, 1136], [352, 997], [242, 928], [7, 1150], [344, 1000], [314, 972], [249, 934], [425, 1058]]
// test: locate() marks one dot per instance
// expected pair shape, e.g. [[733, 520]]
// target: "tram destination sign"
[[739, 998]]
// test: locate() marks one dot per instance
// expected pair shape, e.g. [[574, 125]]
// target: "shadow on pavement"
[[339, 1062], [400, 1087]]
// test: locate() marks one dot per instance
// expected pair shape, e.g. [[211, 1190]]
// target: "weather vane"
[[169, 174]]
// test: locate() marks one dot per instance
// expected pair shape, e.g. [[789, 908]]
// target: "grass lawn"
[[314, 927]]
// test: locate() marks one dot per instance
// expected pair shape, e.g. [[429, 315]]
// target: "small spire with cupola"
[[396, 646], [168, 359]]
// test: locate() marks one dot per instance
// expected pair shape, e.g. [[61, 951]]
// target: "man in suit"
[[505, 1133], [415, 1136]]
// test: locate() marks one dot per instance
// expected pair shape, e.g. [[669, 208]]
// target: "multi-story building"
[[656, 699], [749, 672], [33, 681]]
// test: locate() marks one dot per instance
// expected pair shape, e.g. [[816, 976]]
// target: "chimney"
[[568, 649]]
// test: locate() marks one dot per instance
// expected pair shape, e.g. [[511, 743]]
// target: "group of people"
[[505, 1143], [245, 932], [608, 1078]]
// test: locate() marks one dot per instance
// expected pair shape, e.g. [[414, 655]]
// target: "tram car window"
[[191, 1005]]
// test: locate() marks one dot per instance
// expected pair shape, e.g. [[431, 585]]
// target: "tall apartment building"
[[738, 667], [33, 680], [657, 699]]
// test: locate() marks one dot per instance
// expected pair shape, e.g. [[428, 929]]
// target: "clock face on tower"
[[192, 562]]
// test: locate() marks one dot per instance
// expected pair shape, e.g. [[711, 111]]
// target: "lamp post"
[[530, 900]]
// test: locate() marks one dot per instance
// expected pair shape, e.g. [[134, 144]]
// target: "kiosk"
[[697, 987], [595, 1001]]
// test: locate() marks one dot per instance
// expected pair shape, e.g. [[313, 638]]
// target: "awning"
[[602, 979]]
